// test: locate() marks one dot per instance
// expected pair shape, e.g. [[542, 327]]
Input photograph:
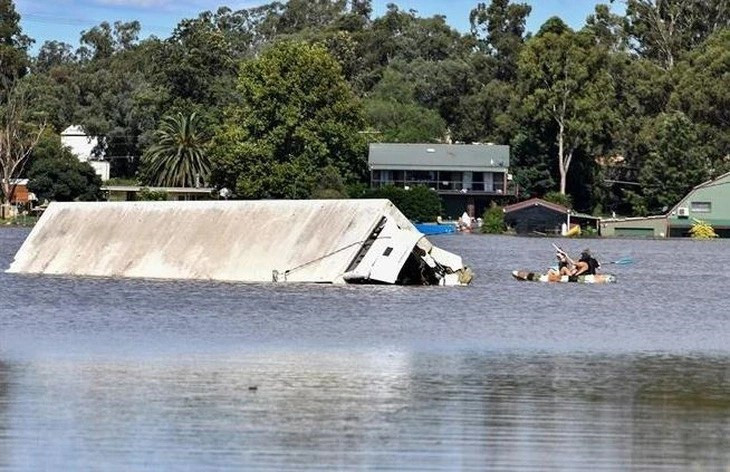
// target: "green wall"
[[717, 193]]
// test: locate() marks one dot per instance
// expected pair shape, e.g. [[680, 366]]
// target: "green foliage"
[[13, 44], [177, 158], [493, 220], [57, 175], [418, 203], [145, 194], [559, 198], [665, 30], [675, 162], [330, 185], [703, 95], [567, 88], [297, 115], [392, 110], [500, 29]]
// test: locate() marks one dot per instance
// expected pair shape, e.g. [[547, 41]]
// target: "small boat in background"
[[429, 229], [557, 278]]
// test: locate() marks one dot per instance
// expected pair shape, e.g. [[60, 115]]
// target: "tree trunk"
[[561, 157]]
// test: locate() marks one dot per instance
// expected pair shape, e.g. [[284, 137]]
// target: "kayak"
[[581, 279]]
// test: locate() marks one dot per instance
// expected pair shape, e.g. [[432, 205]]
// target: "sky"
[[63, 20]]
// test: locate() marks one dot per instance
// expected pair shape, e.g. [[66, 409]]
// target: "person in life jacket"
[[587, 264]]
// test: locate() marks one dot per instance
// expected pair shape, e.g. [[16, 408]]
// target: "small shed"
[[635, 227], [538, 216]]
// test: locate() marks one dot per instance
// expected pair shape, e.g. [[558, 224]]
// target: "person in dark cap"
[[587, 264]]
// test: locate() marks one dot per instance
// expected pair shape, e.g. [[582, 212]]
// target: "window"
[[701, 207]]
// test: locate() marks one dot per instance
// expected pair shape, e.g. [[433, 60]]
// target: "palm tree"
[[177, 157]]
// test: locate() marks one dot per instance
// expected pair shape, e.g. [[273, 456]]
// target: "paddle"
[[623, 261]]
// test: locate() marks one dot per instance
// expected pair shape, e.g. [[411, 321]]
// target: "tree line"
[[625, 114]]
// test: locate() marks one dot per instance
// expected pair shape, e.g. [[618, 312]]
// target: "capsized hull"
[[581, 279]]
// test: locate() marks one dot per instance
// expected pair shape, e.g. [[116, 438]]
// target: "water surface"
[[137, 374]]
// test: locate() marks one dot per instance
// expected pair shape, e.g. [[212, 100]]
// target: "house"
[[537, 216], [131, 193], [365, 241], [709, 202], [84, 147], [20, 193], [467, 177]]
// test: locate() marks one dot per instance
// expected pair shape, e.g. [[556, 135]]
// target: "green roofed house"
[[709, 202], [467, 177]]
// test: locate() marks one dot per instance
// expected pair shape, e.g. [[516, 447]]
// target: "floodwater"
[[104, 374]]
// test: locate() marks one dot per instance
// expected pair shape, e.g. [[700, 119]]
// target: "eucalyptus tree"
[[675, 163], [702, 92], [564, 82], [665, 29], [177, 157], [14, 44], [500, 32], [19, 135]]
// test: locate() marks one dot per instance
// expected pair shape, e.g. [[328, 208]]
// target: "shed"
[[637, 227], [538, 216]]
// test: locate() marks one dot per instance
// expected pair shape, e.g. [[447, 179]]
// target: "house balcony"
[[455, 187]]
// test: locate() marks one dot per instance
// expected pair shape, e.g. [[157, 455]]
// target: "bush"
[[418, 203], [559, 199], [146, 194], [57, 175], [493, 220], [702, 230], [330, 186]]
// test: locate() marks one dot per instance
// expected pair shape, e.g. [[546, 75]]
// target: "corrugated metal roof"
[[467, 157]]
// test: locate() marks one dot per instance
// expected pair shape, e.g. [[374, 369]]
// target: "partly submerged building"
[[467, 177], [317, 241], [709, 202], [537, 216]]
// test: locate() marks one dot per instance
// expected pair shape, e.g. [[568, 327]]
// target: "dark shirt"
[[593, 265]]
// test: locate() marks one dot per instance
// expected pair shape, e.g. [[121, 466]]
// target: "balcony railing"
[[453, 187]]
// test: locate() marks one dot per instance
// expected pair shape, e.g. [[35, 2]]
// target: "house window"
[[701, 207]]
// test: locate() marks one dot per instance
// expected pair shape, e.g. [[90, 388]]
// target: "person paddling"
[[565, 265], [586, 264]]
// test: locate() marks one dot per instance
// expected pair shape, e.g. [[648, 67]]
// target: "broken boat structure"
[[312, 241]]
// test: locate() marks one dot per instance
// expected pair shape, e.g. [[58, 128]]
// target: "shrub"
[[558, 198], [493, 220], [418, 203], [146, 194]]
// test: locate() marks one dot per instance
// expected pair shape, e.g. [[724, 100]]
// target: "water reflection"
[[4, 426], [349, 410]]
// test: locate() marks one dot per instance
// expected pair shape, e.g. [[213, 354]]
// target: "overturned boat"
[[557, 278], [315, 241]]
